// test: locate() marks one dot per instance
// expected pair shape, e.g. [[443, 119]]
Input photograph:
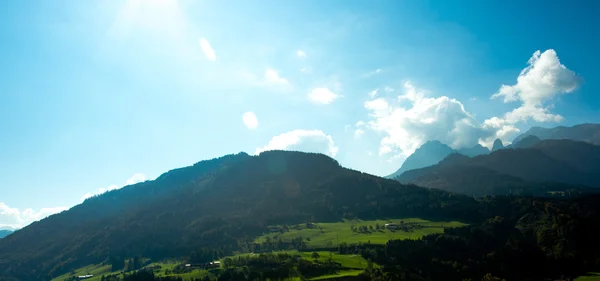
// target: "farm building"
[[212, 264], [391, 226]]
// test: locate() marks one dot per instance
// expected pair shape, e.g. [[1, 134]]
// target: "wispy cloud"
[[301, 54], [208, 50], [373, 94], [372, 73]]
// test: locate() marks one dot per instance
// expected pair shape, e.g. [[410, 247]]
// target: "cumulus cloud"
[[301, 54], [207, 49], [136, 178], [273, 78], [250, 120], [322, 96], [544, 79], [413, 118], [14, 218], [302, 140]]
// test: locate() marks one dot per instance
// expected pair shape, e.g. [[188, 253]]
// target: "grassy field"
[[97, 270], [331, 234], [324, 235], [347, 261], [342, 273], [592, 276]]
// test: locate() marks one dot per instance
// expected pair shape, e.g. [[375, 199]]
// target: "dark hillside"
[[220, 204]]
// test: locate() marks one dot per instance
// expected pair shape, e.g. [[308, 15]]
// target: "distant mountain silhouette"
[[497, 145], [430, 153], [474, 151], [560, 161], [526, 142], [582, 132], [220, 205], [4, 233]]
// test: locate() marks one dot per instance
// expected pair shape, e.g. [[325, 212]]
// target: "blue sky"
[[98, 94]]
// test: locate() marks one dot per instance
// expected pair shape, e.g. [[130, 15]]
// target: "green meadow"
[[327, 235]]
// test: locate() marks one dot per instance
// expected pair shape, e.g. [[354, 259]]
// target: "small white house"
[[83, 277], [391, 226]]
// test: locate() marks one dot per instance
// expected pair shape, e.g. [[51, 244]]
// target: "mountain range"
[[218, 207], [583, 132], [433, 151], [534, 162]]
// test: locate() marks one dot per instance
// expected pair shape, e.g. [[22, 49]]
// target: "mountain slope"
[[220, 204], [428, 154], [582, 132], [526, 142], [560, 161], [4, 233]]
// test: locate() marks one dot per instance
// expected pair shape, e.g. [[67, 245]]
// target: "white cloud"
[[373, 93], [208, 51], [136, 178], [322, 96], [537, 85], [413, 119], [301, 54], [273, 78], [14, 218], [302, 140], [250, 120]]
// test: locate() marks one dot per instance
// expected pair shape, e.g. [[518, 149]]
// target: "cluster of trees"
[[538, 240], [279, 266]]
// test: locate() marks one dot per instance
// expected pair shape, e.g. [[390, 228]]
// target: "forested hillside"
[[220, 204]]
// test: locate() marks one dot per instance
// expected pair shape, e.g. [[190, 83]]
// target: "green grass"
[[169, 265], [342, 273], [331, 234], [592, 276], [347, 261], [96, 269]]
